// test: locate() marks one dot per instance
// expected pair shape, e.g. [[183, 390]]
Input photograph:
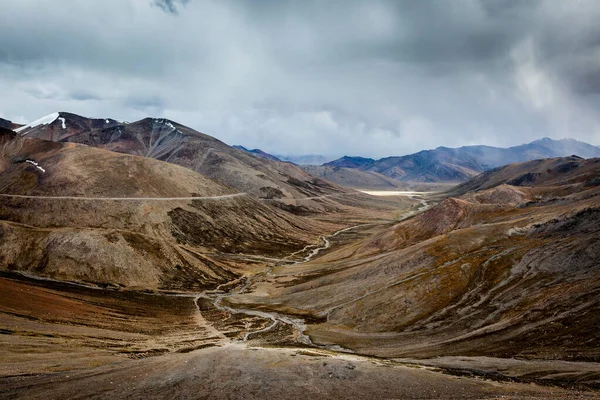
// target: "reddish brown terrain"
[[129, 269], [506, 271]]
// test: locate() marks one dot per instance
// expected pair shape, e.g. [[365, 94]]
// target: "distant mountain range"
[[442, 164], [258, 153], [169, 141], [445, 164], [307, 159]]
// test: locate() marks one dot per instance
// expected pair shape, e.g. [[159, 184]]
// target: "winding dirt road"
[[221, 197]]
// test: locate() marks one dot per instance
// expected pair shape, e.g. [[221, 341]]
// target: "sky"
[[331, 77]]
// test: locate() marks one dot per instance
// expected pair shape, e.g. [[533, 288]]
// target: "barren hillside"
[[506, 271], [75, 212]]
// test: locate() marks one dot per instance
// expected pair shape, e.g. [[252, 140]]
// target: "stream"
[[217, 295], [297, 324]]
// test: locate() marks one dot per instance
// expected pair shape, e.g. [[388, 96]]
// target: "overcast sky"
[[372, 78]]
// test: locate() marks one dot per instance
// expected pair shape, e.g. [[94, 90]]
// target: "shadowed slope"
[[162, 240], [6, 124]]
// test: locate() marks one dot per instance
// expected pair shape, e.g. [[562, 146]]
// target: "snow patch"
[[48, 119], [35, 164], [62, 121], [165, 122], [106, 121]]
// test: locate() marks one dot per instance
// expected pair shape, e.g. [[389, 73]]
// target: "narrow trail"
[[202, 323], [326, 244], [326, 196], [221, 197]]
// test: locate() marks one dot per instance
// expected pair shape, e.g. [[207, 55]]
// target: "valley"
[[223, 200], [487, 288]]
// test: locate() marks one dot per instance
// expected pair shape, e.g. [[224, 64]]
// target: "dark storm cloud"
[[375, 78], [170, 6]]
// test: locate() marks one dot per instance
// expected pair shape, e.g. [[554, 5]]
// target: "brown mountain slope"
[[128, 220], [559, 171], [507, 271], [169, 141], [354, 178]]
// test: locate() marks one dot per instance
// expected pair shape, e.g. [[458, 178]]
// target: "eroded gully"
[[297, 324]]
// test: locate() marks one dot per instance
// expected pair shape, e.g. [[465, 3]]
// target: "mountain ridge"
[[444, 164], [65, 215], [7, 124], [167, 140]]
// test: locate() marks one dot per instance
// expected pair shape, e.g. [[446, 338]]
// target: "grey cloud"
[[83, 95], [377, 78], [149, 103], [169, 6]]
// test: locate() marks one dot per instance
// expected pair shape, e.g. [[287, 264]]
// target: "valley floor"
[[61, 340], [235, 371]]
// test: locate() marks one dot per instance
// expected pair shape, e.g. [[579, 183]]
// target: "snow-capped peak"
[[48, 119]]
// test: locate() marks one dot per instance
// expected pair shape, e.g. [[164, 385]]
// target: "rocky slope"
[[6, 124], [557, 172], [508, 270], [74, 212], [169, 141], [354, 178]]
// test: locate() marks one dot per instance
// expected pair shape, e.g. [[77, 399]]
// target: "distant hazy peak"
[[350, 162]]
